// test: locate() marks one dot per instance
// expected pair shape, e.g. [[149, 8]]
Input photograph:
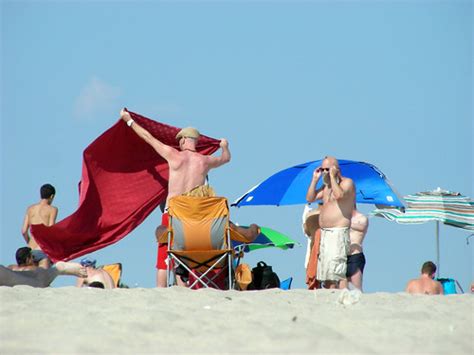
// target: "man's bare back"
[[359, 226], [425, 285], [42, 212], [188, 170]]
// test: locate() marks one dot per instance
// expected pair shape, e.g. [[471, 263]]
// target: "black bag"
[[263, 277]]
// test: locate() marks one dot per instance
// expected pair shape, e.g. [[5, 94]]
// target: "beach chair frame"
[[194, 241]]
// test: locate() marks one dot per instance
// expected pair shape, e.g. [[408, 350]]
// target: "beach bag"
[[264, 277], [243, 277]]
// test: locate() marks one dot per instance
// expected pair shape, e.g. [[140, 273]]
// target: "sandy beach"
[[177, 320]]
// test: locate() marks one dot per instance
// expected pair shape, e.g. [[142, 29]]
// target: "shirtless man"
[[356, 258], [37, 276], [40, 213], [95, 277], [338, 196], [426, 284], [187, 170], [24, 260]]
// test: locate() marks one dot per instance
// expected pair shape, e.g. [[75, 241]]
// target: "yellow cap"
[[189, 132]]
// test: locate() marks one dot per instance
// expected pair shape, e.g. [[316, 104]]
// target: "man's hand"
[[317, 173], [224, 143], [124, 115], [333, 171]]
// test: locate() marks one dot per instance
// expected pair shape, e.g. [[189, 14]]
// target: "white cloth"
[[333, 251], [307, 209]]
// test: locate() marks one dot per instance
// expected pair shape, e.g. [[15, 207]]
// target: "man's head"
[[188, 138], [23, 256], [47, 192], [326, 165], [429, 268]]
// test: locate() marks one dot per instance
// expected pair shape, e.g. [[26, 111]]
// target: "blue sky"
[[286, 82]]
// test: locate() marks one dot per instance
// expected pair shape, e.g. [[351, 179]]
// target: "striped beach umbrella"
[[450, 208]]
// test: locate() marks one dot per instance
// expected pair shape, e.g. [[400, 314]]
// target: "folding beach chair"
[[199, 240], [115, 271], [449, 286]]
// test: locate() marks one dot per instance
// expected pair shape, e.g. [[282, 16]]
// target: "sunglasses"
[[323, 169]]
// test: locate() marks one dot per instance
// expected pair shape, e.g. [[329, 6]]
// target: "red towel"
[[123, 181]]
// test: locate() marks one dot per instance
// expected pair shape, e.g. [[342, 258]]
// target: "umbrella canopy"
[[289, 186], [267, 238], [450, 208], [447, 207]]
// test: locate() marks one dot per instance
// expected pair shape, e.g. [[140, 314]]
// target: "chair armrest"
[[234, 235]]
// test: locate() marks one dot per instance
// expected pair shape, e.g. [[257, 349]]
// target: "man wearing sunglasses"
[[338, 196]]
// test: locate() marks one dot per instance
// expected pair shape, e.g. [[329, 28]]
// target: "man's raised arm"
[[223, 158], [340, 188], [312, 194], [162, 149]]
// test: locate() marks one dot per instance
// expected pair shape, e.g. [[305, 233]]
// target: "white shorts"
[[333, 251]]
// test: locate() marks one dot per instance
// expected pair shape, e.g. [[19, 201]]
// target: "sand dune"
[[176, 320]]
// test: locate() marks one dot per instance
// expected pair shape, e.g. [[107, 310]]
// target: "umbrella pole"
[[437, 249]]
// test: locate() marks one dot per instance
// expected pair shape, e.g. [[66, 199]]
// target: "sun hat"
[[311, 222], [88, 262], [189, 132]]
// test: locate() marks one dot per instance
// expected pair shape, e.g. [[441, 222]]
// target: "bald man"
[[338, 195]]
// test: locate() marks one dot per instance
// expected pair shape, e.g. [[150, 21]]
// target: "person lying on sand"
[[38, 276], [24, 260], [425, 284], [98, 278]]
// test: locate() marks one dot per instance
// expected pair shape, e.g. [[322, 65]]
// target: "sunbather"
[[426, 284], [38, 276], [95, 276]]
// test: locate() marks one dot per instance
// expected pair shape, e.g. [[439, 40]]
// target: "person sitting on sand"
[[95, 276], [38, 276], [426, 284], [42, 212]]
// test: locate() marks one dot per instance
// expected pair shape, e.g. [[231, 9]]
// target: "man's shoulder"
[[347, 183]]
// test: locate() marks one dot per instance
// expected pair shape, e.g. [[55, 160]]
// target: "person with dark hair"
[[36, 276], [24, 260], [23, 256], [42, 212], [94, 276], [426, 284]]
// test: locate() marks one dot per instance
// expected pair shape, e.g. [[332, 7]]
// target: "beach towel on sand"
[[123, 181]]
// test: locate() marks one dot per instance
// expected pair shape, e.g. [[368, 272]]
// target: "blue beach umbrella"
[[289, 186]]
